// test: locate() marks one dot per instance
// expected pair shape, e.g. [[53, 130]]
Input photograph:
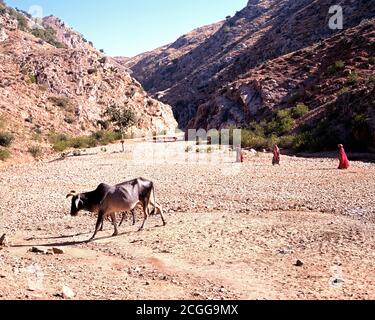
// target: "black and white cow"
[[108, 200]]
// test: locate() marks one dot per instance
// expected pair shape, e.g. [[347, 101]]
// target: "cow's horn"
[[71, 194]]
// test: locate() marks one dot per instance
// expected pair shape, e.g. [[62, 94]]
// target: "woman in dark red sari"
[[276, 155], [344, 162]]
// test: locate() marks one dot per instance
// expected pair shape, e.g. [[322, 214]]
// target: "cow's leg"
[[133, 214], [162, 216], [99, 223], [123, 218], [145, 203], [102, 227], [113, 216]]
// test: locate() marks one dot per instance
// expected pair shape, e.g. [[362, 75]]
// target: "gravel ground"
[[233, 232]]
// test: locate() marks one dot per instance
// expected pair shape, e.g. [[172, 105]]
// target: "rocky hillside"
[[317, 76], [66, 35], [166, 56], [209, 85], [53, 80]]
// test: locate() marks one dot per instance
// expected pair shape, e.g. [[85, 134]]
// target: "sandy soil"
[[234, 231]]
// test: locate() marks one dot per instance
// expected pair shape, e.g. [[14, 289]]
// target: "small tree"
[[122, 118]]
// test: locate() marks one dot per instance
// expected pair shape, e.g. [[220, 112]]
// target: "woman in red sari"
[[276, 155], [344, 162]]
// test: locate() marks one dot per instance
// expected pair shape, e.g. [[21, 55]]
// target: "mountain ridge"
[[261, 33]]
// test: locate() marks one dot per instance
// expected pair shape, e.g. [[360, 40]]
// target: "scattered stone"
[[285, 251], [165, 251], [3, 241], [38, 250], [338, 282], [299, 263], [58, 251], [67, 293], [137, 269]]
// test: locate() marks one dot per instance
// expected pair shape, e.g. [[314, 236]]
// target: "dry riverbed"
[[234, 232]]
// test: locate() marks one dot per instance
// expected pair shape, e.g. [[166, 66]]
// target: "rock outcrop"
[[65, 89], [305, 76]]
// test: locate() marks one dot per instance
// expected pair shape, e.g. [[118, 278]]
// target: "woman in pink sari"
[[344, 162], [276, 155]]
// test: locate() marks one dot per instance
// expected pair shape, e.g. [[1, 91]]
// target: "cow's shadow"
[[69, 243], [75, 243], [59, 237]]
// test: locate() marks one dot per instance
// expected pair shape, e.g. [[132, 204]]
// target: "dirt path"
[[232, 233]]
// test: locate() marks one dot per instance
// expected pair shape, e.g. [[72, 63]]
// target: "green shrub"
[[121, 117], [60, 146], [361, 134], [286, 125], [284, 113], [322, 137], [32, 78], [3, 8], [35, 151], [339, 65], [61, 102], [371, 60], [353, 78], [344, 89], [48, 35], [106, 137], [302, 141], [358, 121], [372, 79], [4, 154], [287, 142], [22, 21], [6, 139], [300, 110], [83, 142], [281, 124], [251, 139], [257, 140], [271, 141], [61, 142]]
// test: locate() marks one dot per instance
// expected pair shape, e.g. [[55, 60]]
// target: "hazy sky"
[[130, 27]]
